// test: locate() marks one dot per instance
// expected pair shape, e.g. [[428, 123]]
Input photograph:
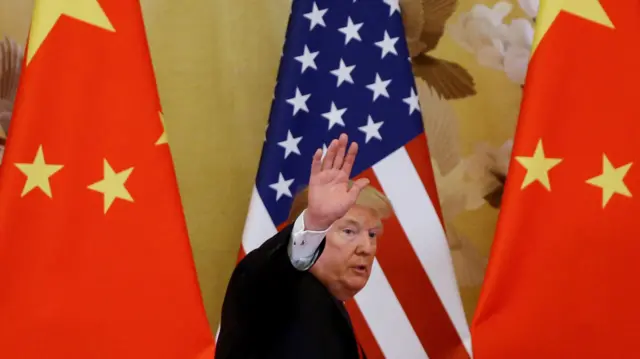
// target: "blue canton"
[[345, 68]]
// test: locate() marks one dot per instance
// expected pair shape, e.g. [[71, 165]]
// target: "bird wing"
[[450, 80], [435, 14], [413, 20], [441, 126]]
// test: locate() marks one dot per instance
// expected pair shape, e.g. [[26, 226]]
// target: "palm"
[[330, 195]]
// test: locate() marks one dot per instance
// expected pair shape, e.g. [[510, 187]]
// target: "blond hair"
[[369, 197]]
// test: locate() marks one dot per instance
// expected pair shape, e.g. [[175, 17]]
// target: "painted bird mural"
[[424, 22]]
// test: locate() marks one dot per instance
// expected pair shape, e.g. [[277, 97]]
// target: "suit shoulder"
[[273, 248]]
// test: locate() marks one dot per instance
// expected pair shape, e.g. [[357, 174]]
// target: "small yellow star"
[[38, 173], [538, 167], [163, 138], [611, 180], [112, 185], [549, 9], [47, 12]]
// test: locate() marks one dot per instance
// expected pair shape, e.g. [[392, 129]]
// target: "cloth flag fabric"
[[95, 260], [345, 68], [562, 275]]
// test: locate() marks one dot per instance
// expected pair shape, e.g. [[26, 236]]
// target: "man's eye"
[[348, 231]]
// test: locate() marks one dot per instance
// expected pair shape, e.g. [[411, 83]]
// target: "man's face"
[[345, 264]]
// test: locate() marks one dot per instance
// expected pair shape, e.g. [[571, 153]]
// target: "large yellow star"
[[163, 138], [38, 173], [538, 167], [112, 185], [611, 180], [47, 12], [549, 9]]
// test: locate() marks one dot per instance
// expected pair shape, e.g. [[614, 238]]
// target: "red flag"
[[95, 260], [562, 277]]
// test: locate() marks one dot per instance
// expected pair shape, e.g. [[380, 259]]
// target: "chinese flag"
[[562, 280], [95, 260]]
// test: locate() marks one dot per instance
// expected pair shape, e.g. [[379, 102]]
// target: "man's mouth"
[[361, 269]]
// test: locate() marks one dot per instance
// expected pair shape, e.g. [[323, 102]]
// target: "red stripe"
[[282, 226], [363, 333], [414, 290], [241, 254], [418, 151]]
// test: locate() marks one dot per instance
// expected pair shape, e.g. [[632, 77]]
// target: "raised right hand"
[[329, 196]]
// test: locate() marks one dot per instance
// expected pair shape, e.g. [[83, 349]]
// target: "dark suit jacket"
[[272, 310]]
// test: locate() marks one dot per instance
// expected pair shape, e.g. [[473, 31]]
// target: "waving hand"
[[330, 197]]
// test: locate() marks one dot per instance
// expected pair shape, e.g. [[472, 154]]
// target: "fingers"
[[316, 162], [350, 159], [332, 150], [342, 148], [335, 153], [335, 157], [357, 186]]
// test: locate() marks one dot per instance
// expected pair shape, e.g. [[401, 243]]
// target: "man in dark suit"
[[285, 299]]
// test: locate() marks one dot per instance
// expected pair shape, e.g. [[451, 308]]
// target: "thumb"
[[357, 186]]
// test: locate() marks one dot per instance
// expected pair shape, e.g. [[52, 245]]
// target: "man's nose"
[[365, 245]]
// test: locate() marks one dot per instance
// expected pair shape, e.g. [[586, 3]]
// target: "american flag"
[[345, 68]]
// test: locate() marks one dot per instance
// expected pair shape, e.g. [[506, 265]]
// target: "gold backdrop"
[[216, 64]]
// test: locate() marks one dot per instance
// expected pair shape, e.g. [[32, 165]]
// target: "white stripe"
[[411, 203], [258, 227], [469, 346], [386, 318]]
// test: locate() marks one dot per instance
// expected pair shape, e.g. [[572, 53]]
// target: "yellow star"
[[47, 12], [611, 180], [549, 9], [163, 138], [112, 185], [538, 167], [38, 173]]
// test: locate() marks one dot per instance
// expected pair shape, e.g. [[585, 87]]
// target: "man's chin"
[[356, 284]]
